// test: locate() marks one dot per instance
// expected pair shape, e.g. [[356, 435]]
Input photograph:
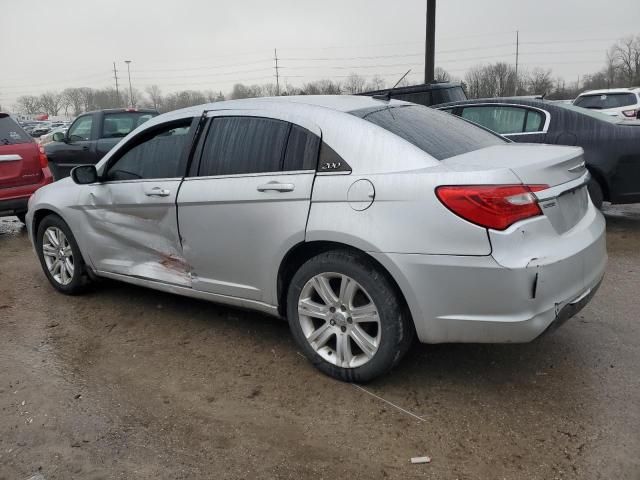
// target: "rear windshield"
[[432, 97], [440, 134], [606, 100], [118, 125], [11, 133]]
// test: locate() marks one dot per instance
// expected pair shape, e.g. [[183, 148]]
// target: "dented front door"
[[133, 229]]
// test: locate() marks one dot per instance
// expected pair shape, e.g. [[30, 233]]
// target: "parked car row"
[[37, 128]]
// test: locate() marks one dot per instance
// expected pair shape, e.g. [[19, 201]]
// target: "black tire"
[[22, 216], [396, 327], [595, 192], [80, 279]]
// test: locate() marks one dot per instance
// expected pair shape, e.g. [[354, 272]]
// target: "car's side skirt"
[[189, 292]]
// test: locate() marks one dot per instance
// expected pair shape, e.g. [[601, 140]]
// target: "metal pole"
[[275, 56], [430, 42], [128, 62], [115, 75], [517, 53]]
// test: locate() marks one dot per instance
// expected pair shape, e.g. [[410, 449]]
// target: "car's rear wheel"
[[347, 317], [60, 256]]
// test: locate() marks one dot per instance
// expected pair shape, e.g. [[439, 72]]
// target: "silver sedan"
[[364, 222]]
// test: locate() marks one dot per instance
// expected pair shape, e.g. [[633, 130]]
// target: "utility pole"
[[115, 75], [275, 57], [517, 53], [430, 42], [128, 62]]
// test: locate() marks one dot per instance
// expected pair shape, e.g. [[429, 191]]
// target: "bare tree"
[[73, 97], [28, 104], [51, 102], [539, 81], [376, 83], [626, 53], [441, 75], [155, 95], [354, 84]]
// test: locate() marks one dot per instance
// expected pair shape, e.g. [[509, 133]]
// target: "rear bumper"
[[15, 200], [478, 300]]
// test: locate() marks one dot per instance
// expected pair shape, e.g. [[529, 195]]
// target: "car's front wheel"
[[60, 256], [347, 317]]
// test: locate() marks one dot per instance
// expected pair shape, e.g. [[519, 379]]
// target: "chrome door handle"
[[158, 192], [276, 187]]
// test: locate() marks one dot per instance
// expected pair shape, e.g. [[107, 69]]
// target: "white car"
[[617, 102]]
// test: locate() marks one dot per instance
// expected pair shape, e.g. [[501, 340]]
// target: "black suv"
[[426, 94], [91, 136]]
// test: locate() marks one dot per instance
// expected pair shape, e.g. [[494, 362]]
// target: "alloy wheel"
[[58, 255], [339, 320]]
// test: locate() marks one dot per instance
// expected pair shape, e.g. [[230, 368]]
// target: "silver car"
[[364, 222]]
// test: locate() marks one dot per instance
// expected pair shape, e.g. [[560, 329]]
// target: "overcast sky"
[[210, 45]]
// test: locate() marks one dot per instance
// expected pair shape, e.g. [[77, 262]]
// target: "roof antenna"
[[386, 96]]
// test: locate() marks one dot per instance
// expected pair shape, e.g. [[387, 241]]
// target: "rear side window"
[[503, 119], [439, 134], [118, 125], [11, 133], [302, 150], [606, 100], [244, 145]]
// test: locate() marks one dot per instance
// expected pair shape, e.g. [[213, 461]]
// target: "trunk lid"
[[562, 168], [19, 155]]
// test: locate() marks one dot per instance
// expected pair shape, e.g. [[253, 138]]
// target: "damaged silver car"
[[364, 222]]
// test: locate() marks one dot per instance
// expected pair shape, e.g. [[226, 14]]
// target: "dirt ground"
[[125, 382]]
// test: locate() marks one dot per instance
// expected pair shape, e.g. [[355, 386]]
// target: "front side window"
[[439, 134], [243, 145], [160, 154], [81, 129], [118, 125]]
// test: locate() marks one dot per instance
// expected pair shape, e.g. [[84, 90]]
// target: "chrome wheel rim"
[[339, 320], [58, 255]]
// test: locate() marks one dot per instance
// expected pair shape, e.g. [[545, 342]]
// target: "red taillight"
[[491, 206], [44, 161], [629, 113]]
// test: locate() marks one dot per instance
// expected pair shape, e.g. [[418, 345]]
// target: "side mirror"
[[58, 137], [84, 174]]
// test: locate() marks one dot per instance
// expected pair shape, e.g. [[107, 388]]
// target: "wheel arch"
[[303, 251], [602, 181]]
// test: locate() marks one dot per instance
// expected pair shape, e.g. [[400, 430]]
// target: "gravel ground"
[[125, 382]]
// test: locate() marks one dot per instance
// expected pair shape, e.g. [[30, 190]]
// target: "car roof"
[[339, 103], [611, 90]]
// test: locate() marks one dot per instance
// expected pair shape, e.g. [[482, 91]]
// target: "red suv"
[[23, 168]]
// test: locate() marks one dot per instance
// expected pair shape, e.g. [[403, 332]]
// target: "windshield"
[[440, 134], [11, 133], [602, 101]]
